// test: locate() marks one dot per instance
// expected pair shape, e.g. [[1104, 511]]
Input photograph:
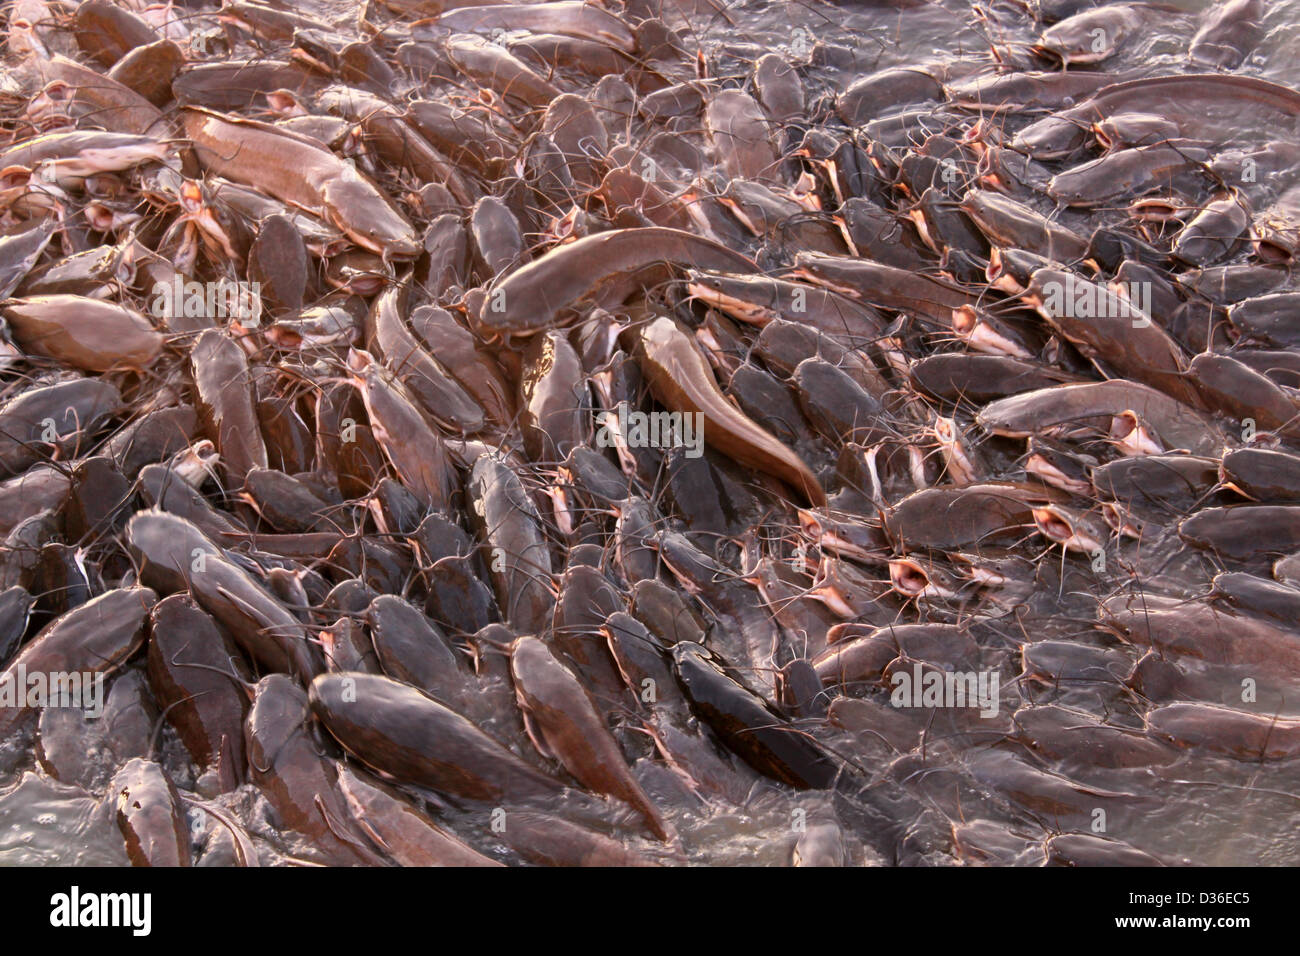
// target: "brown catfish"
[[952, 517], [106, 31], [390, 136], [299, 171], [86, 333], [760, 300], [150, 815], [35, 490], [1228, 34], [225, 402], [1197, 102], [1042, 791], [741, 135], [187, 655], [1238, 733], [512, 529], [397, 826], [1229, 386], [94, 638], [1091, 36], [1039, 411], [149, 70], [680, 379], [416, 450], [566, 18], [1244, 532], [862, 658], [455, 349], [113, 105], [493, 66], [1084, 849], [173, 554], [1082, 740], [549, 840], [1008, 222], [531, 298], [421, 370], [563, 723], [1107, 326], [300, 784], [1206, 632], [397, 730], [75, 407]]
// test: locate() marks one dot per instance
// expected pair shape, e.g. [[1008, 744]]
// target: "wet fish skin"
[[681, 379], [1120, 334], [225, 402], [76, 407], [416, 450], [298, 171], [299, 783], [176, 556], [1269, 475], [1257, 596], [206, 708], [570, 728], [532, 298], [1243, 532], [1235, 389], [509, 520], [1238, 733], [395, 729], [399, 828], [745, 723], [1178, 425], [1228, 34], [93, 638], [19, 253], [83, 332], [1084, 849], [150, 816]]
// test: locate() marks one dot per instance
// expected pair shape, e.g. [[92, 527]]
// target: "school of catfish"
[[985, 367]]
